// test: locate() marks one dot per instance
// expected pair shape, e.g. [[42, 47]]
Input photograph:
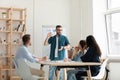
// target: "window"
[[112, 17], [113, 4]]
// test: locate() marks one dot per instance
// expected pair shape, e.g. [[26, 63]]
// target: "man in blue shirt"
[[59, 44], [23, 53]]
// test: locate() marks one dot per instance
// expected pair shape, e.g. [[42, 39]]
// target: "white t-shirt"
[[56, 49]]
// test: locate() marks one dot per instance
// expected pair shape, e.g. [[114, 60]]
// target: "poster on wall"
[[45, 30]]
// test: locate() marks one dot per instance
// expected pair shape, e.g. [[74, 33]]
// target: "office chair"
[[102, 73]]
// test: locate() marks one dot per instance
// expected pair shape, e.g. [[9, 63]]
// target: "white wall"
[[81, 20], [75, 22], [86, 17], [114, 71]]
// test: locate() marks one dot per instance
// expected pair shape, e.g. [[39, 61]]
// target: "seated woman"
[[92, 55], [77, 53]]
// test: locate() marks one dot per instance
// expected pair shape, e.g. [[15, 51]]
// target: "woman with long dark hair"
[[92, 55]]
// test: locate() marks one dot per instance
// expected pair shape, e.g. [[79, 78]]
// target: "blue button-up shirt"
[[77, 57], [23, 53], [62, 41]]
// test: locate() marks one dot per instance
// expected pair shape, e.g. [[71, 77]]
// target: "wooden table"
[[70, 64]]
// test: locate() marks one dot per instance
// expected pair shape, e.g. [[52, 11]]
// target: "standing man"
[[59, 44]]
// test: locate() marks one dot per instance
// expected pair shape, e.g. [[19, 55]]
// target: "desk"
[[71, 64]]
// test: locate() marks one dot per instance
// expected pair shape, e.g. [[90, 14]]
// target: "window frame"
[[108, 13]]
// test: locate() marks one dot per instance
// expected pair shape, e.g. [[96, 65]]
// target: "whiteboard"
[[45, 30]]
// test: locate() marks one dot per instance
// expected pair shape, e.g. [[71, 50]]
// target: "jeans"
[[52, 74], [71, 74], [80, 74]]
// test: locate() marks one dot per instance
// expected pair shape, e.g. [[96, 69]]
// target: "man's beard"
[[58, 34]]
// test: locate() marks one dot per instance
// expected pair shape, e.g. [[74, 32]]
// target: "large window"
[[112, 17], [113, 4]]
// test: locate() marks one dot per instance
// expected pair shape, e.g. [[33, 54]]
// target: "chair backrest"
[[23, 70], [15, 63], [16, 66], [102, 72]]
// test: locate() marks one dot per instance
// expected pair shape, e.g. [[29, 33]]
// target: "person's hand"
[[45, 58], [61, 48], [49, 35], [66, 60], [77, 48], [40, 59]]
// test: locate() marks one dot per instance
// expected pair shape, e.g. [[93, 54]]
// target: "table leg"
[[57, 74], [89, 73], [41, 67], [0, 71], [65, 74], [0, 75]]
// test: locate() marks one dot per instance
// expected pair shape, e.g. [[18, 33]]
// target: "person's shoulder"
[[92, 49], [21, 47], [52, 37], [89, 49], [63, 36], [80, 53]]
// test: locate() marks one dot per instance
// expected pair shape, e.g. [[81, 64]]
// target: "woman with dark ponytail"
[[77, 53]]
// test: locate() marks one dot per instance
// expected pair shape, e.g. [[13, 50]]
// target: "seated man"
[[23, 53]]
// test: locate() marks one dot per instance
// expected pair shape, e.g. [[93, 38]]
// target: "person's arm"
[[41, 59], [28, 56], [75, 53], [77, 57], [67, 44], [47, 42], [66, 47], [88, 56]]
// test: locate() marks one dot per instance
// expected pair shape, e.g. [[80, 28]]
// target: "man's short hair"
[[26, 38], [58, 26]]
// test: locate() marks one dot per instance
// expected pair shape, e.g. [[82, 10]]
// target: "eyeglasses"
[[59, 30]]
